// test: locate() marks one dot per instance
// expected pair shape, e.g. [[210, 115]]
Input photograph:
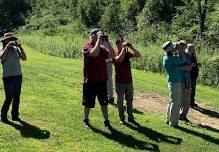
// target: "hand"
[[18, 44], [125, 44], [188, 68], [10, 44]]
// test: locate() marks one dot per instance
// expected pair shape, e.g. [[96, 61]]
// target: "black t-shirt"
[[195, 70]]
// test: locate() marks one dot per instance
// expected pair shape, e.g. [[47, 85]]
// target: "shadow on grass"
[[29, 131], [201, 135], [136, 111], [208, 128], [208, 112], [154, 135], [127, 140]]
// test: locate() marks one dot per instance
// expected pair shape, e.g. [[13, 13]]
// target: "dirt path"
[[201, 117]]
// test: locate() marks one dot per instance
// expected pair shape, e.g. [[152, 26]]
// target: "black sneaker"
[[86, 123], [184, 119], [107, 124], [16, 119], [132, 120], [122, 121], [4, 120], [111, 100]]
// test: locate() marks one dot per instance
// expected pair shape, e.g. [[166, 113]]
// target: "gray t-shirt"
[[11, 66]]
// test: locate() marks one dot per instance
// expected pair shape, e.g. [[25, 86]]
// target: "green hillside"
[[52, 114]]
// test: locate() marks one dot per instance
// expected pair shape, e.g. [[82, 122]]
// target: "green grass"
[[51, 108]]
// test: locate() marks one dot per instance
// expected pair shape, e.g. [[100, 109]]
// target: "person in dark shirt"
[[95, 74], [193, 73], [123, 78]]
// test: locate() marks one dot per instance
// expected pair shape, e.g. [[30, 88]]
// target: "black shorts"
[[93, 89]]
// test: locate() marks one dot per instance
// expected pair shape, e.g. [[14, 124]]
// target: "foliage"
[[209, 74], [13, 13]]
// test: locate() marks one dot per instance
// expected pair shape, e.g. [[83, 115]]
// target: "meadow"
[[52, 115]]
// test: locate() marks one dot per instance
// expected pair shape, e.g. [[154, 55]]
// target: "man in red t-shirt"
[[95, 74], [123, 78]]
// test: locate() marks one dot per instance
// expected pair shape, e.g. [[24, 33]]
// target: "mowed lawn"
[[52, 115]]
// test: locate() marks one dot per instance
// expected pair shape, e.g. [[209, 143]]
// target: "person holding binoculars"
[[95, 53], [10, 56], [171, 60], [123, 78]]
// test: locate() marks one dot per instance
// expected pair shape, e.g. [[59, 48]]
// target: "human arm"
[[134, 52], [95, 51], [120, 57], [21, 52], [5, 51]]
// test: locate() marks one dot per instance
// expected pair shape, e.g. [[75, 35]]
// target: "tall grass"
[[67, 41]]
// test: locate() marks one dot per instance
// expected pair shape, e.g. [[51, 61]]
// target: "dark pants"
[[12, 86], [193, 86]]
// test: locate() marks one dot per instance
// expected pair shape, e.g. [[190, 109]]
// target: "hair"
[[191, 49]]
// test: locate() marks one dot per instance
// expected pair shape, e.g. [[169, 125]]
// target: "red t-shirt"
[[94, 67], [123, 70]]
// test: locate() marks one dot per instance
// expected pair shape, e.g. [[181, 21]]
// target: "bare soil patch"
[[156, 103]]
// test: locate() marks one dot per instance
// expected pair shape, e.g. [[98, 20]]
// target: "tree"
[[202, 9], [13, 13], [111, 19]]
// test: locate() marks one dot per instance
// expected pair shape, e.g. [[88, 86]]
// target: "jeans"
[[173, 107], [186, 100], [12, 87], [109, 81], [127, 91], [193, 86]]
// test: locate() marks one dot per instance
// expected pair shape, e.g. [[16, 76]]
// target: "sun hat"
[[169, 45], [182, 42], [9, 36]]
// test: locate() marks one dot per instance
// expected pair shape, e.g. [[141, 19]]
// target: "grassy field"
[[52, 115]]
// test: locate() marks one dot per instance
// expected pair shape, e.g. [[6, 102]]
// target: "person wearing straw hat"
[[171, 60], [10, 56]]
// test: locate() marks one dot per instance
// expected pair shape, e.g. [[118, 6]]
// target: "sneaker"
[[4, 120], [16, 119], [174, 126], [193, 105], [122, 121], [107, 124], [184, 119], [132, 120], [111, 100], [86, 123]]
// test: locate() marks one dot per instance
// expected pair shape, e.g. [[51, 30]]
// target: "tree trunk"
[[202, 14]]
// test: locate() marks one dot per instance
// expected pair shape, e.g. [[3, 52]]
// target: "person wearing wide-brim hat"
[[10, 56], [171, 60]]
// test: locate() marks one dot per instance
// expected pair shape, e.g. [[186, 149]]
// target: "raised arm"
[[4, 53], [135, 53], [120, 57], [96, 50], [21, 52]]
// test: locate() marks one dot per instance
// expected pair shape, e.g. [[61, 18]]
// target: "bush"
[[209, 72]]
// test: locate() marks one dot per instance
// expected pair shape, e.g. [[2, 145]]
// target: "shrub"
[[209, 73]]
